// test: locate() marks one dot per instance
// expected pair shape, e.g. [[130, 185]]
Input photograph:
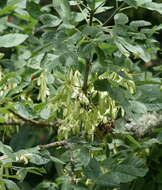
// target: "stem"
[[125, 8], [86, 74], [82, 12], [91, 17], [55, 144], [59, 144], [117, 10], [88, 63], [50, 145], [99, 6]]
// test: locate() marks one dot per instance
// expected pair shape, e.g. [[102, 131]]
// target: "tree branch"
[[50, 145], [56, 144]]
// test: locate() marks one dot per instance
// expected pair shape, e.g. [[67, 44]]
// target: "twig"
[[109, 19], [91, 17], [56, 144], [100, 5], [125, 8], [50, 145], [46, 146], [85, 17]]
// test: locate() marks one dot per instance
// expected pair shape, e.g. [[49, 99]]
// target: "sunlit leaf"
[[11, 40]]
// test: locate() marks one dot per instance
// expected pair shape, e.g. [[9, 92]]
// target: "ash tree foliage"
[[79, 109]]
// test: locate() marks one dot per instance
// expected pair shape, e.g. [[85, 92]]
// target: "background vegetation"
[[80, 95]]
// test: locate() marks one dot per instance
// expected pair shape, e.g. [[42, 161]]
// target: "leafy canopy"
[[72, 75]]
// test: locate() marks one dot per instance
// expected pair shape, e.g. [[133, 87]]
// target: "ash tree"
[[79, 107]]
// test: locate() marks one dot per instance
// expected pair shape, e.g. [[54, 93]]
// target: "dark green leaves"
[[127, 173], [91, 4], [102, 85], [108, 180], [122, 173], [86, 50], [92, 171], [76, 85], [33, 9]]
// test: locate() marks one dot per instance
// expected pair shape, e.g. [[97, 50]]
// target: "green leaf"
[[47, 185], [158, 68], [56, 160], [82, 156], [133, 140], [91, 4], [122, 49], [121, 18], [154, 107], [132, 3], [45, 112], [33, 9], [138, 107], [102, 85], [6, 150], [92, 171], [37, 159], [128, 173], [1, 55], [32, 155], [159, 137], [10, 7], [147, 4], [63, 9], [49, 20], [108, 180], [11, 40], [10, 185], [6, 77], [137, 50], [130, 169], [142, 82], [139, 23], [21, 109], [86, 50], [23, 171], [101, 55]]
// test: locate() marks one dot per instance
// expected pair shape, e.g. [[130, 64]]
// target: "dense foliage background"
[[80, 95]]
